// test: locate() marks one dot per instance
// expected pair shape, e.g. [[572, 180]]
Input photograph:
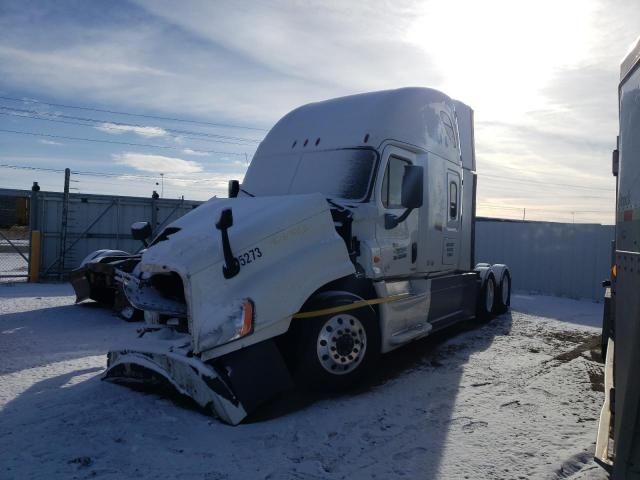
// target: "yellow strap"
[[350, 306]]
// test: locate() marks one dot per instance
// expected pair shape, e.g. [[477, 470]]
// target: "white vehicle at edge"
[[351, 235]]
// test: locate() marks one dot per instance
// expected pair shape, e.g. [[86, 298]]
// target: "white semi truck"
[[618, 440], [352, 234]]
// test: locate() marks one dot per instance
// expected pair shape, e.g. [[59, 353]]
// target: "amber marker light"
[[247, 320]]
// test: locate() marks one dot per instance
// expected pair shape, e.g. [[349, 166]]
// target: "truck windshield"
[[343, 173]]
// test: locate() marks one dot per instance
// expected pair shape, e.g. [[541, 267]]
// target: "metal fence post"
[[117, 199], [33, 207], [33, 266], [154, 213], [34, 256], [63, 226]]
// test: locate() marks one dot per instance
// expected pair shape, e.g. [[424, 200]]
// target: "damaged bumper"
[[157, 361], [98, 278], [95, 281], [229, 388]]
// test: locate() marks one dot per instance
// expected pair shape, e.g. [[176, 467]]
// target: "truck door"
[[450, 245], [399, 245]]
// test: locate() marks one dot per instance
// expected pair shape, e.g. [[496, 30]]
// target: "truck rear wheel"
[[503, 295], [486, 299], [337, 350]]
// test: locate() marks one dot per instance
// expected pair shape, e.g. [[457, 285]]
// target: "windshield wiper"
[[244, 191]]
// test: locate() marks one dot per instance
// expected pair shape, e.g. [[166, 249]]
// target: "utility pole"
[[246, 159], [162, 186], [63, 224], [524, 213]]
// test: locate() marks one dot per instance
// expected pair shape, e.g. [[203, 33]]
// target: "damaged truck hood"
[[286, 247]]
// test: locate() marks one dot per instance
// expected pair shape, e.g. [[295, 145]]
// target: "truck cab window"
[[453, 201], [345, 173], [392, 182]]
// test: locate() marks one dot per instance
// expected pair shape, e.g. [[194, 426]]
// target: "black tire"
[[503, 295], [484, 306], [103, 295], [340, 363]]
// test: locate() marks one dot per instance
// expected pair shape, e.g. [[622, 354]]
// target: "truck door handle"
[[414, 252]]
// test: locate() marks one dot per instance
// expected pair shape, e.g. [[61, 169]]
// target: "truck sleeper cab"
[[351, 235]]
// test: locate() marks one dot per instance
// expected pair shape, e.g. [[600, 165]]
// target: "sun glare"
[[498, 55]]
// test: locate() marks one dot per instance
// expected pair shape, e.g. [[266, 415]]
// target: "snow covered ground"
[[516, 398]]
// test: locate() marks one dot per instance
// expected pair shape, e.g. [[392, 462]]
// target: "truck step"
[[404, 336]]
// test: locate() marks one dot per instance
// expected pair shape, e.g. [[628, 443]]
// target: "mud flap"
[[80, 283], [604, 440], [257, 373], [231, 388]]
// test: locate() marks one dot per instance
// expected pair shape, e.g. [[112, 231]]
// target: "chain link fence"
[[14, 237], [65, 228]]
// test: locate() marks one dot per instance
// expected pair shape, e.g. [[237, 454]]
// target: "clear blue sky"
[[542, 77]]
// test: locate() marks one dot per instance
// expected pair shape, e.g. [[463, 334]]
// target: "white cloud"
[[116, 129], [234, 63], [157, 163], [189, 151], [49, 142]]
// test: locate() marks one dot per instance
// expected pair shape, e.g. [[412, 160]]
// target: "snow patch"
[[479, 400]]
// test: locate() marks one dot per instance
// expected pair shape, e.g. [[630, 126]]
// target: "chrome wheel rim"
[[341, 344], [490, 295]]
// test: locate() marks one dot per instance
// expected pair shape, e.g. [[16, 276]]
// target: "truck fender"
[[499, 270], [321, 299], [483, 270]]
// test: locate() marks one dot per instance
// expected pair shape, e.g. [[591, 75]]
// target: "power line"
[[106, 123], [41, 169], [114, 142], [100, 180], [151, 181], [534, 182], [568, 212], [494, 206], [141, 115], [124, 176], [516, 192], [115, 128], [108, 174]]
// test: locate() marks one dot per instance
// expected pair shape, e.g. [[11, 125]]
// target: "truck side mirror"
[[141, 231], [411, 195], [234, 188]]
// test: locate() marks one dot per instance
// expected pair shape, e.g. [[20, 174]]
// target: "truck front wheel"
[[336, 350]]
